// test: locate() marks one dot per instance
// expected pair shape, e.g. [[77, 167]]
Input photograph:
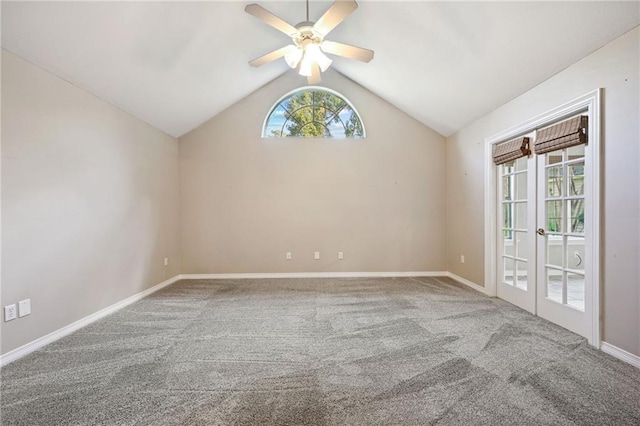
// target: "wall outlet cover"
[[10, 312]]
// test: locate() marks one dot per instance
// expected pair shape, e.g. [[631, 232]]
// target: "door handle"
[[540, 231]]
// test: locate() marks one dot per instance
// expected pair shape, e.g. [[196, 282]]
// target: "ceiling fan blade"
[[314, 78], [334, 15], [347, 51], [271, 19], [271, 56]]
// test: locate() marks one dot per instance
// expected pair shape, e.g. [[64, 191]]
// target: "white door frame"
[[589, 103]]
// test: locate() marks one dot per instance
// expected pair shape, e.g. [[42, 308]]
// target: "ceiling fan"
[[308, 46]]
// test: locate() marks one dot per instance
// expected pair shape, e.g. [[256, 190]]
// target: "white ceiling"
[[177, 64]]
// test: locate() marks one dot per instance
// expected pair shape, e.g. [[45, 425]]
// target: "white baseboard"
[[621, 354], [313, 275], [466, 282], [66, 330]]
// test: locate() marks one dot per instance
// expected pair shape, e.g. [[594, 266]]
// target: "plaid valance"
[[511, 150], [562, 135]]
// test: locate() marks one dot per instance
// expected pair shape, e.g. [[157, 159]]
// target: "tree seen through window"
[[313, 113]]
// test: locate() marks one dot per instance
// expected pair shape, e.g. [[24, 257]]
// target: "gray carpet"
[[320, 351]]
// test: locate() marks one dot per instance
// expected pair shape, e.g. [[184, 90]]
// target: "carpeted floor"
[[320, 352]]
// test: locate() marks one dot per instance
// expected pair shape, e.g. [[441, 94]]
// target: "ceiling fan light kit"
[[307, 53], [293, 56], [314, 54]]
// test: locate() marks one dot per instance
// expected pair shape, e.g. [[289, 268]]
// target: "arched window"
[[313, 112]]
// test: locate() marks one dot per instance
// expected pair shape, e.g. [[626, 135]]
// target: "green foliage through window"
[[313, 113]]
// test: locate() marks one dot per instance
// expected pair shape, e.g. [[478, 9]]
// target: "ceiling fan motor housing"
[[306, 34]]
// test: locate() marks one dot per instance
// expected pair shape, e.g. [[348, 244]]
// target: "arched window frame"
[[311, 89]]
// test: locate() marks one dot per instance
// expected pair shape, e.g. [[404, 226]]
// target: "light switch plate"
[[24, 308]]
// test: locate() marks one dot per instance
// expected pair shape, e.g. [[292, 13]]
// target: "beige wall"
[[246, 201], [615, 68], [89, 202], [90, 194]]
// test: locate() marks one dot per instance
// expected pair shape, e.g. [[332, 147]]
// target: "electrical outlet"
[[340, 255], [316, 255], [10, 312], [288, 255], [166, 261], [461, 258], [24, 308]]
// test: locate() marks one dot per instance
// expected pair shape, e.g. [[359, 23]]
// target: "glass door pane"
[[516, 186], [564, 227]]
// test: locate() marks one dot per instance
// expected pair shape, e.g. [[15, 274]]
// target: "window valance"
[[511, 150], [562, 135]]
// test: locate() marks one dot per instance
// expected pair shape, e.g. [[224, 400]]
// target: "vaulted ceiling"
[[177, 64]]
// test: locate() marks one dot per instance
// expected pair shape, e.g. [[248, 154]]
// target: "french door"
[[543, 259], [516, 227], [563, 262]]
